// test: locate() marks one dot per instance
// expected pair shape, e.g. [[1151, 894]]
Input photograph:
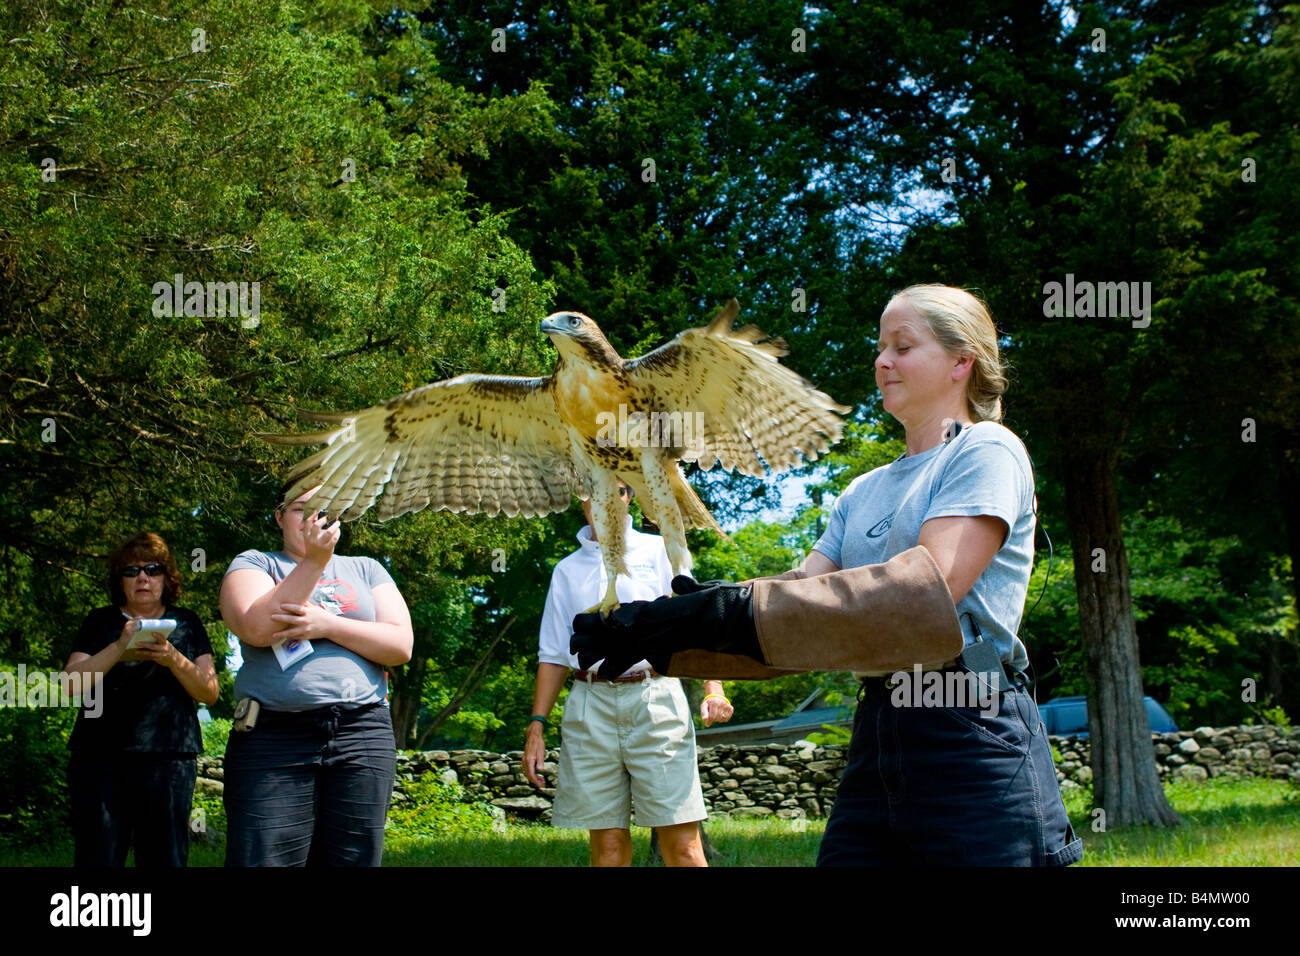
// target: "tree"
[[1066, 162], [247, 144], [673, 177]]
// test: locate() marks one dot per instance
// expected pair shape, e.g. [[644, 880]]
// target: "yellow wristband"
[[721, 697]]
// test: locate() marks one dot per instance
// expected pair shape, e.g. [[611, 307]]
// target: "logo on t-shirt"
[[337, 597], [883, 525]]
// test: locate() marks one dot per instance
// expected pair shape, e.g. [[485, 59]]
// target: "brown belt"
[[625, 679]]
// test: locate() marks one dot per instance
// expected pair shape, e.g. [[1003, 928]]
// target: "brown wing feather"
[[758, 415], [475, 443]]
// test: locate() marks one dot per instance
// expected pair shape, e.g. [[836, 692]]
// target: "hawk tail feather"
[[693, 512]]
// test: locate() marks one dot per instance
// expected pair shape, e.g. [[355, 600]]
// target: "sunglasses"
[[153, 570], [625, 493]]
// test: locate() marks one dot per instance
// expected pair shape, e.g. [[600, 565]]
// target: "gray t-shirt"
[[331, 674], [985, 470]]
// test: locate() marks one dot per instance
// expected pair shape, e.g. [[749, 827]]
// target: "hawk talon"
[[603, 610]]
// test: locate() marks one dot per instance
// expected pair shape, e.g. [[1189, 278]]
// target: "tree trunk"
[[408, 685], [472, 681], [1286, 460], [1271, 695], [1125, 783]]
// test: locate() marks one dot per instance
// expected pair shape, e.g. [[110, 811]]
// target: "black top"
[[145, 708]]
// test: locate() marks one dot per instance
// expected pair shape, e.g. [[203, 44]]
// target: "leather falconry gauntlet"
[[879, 617]]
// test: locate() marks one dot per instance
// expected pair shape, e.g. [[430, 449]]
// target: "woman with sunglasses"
[[133, 765]]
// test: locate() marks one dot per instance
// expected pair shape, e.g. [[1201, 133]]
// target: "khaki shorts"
[[627, 745]]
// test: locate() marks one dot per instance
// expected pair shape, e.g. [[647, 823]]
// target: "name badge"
[[289, 653]]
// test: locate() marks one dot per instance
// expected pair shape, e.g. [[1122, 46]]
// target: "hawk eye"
[[574, 321]]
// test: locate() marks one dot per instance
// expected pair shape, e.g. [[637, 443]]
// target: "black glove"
[[713, 616]]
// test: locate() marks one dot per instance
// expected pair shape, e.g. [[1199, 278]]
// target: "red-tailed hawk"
[[523, 446]]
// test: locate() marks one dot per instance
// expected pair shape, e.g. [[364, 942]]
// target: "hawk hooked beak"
[[562, 323]]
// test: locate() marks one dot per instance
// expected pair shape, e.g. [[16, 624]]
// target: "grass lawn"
[[738, 842], [1226, 823]]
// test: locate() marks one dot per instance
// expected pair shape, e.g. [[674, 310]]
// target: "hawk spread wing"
[[476, 443], [758, 415], [523, 446]]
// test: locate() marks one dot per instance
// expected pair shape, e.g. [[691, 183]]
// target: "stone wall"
[[799, 781], [1230, 752]]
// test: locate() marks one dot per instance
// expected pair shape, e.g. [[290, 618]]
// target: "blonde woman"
[[924, 566]]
